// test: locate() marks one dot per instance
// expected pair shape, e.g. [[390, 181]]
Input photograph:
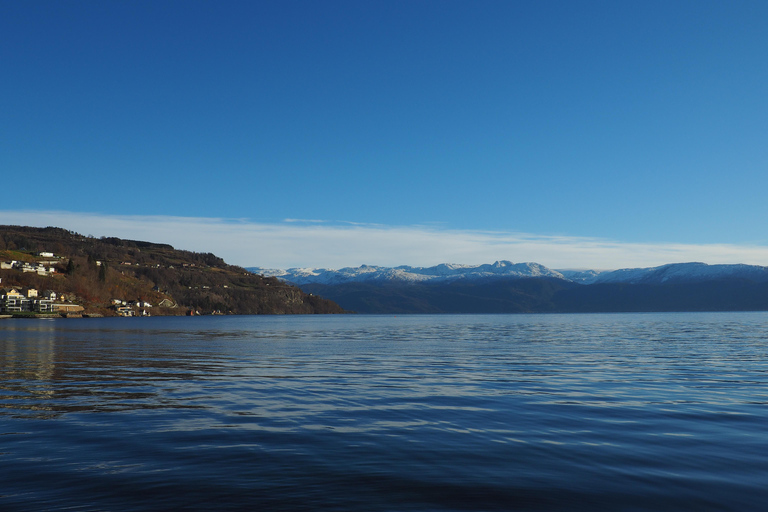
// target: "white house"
[[12, 300]]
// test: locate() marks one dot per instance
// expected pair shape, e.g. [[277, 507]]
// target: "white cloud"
[[311, 243]]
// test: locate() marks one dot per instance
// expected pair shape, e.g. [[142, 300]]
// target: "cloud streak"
[[310, 243]]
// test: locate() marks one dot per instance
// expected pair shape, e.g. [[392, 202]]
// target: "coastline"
[[43, 316]]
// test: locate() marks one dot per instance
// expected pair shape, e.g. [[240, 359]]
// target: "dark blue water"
[[429, 413]]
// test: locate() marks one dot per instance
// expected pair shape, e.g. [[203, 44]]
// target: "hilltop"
[[94, 272]]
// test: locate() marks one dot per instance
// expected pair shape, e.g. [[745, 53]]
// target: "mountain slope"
[[505, 295], [683, 272], [93, 271], [711, 295]]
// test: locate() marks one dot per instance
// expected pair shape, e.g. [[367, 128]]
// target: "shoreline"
[[43, 316]]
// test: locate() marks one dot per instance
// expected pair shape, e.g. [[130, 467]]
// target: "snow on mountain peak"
[[680, 272], [442, 272]]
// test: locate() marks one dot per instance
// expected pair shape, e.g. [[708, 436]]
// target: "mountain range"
[[505, 287], [440, 273], [448, 272]]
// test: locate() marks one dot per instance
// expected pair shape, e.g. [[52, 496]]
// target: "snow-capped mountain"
[[581, 276], [501, 288], [440, 273], [446, 272], [682, 272]]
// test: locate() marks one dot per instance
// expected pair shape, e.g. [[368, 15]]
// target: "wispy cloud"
[[335, 245]]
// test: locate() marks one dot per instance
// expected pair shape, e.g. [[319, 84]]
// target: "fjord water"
[[434, 413]]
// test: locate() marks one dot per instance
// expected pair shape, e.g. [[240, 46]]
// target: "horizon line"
[[294, 243]]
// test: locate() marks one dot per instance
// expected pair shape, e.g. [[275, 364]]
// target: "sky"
[[576, 134]]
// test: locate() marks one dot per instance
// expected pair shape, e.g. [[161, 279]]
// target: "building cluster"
[[138, 307], [131, 308], [17, 300], [43, 268]]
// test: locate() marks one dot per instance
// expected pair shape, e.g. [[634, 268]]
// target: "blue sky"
[[415, 132]]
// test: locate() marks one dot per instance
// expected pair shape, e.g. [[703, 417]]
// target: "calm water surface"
[[428, 413]]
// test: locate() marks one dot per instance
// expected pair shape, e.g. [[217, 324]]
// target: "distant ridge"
[[445, 272], [506, 287], [503, 269], [684, 272]]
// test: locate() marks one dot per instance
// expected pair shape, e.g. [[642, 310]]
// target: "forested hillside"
[[94, 271]]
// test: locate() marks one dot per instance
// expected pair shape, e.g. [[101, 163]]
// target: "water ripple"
[[520, 412]]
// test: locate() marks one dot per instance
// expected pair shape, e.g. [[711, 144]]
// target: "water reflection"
[[27, 357], [50, 368]]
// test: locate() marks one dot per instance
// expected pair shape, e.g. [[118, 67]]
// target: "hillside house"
[[25, 266], [43, 305], [12, 300], [124, 311], [17, 300]]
